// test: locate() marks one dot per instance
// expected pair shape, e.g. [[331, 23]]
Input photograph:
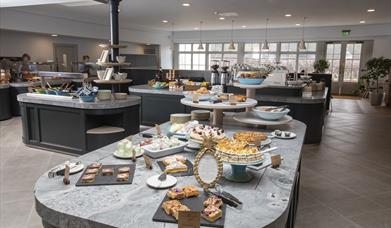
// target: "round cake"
[[201, 131], [234, 151]]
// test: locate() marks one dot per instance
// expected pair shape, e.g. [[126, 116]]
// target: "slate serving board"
[[189, 171], [109, 180], [195, 204]]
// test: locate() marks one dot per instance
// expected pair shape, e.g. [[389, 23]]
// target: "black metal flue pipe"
[[114, 28]]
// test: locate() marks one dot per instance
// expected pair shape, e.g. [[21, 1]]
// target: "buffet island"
[[66, 124], [140, 192]]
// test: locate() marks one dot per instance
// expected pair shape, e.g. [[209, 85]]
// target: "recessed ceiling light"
[[297, 24], [371, 10], [54, 35], [244, 26], [288, 15], [164, 21], [362, 22], [196, 28], [221, 18], [186, 4]]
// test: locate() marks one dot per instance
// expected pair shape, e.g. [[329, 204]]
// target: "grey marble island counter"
[[71, 126], [269, 200]]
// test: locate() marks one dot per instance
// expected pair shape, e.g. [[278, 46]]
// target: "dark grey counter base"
[[5, 106], [64, 129]]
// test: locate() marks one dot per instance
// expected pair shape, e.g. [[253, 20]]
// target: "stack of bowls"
[[104, 95], [201, 115]]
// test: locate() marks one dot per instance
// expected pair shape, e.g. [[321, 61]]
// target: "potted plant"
[[321, 65], [377, 68]]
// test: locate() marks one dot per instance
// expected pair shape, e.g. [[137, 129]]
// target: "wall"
[[382, 47], [12, 19], [40, 46]]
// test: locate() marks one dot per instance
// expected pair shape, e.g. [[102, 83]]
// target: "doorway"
[[345, 66], [65, 56]]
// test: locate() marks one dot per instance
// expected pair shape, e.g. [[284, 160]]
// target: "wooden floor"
[[346, 179]]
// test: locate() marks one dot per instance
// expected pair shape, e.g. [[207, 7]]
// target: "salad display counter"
[[72, 126]]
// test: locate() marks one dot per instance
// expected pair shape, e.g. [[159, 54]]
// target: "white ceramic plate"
[[165, 152], [292, 135], [154, 182], [139, 154]]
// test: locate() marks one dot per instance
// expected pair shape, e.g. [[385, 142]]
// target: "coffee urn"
[[224, 76], [214, 77]]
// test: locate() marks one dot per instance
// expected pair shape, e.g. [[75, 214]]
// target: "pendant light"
[[200, 46], [231, 44], [302, 42], [266, 44]]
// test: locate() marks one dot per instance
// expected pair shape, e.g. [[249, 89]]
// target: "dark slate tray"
[[189, 171], [195, 204], [109, 180]]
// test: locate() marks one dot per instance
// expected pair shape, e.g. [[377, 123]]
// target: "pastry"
[[176, 193], [287, 134], [163, 143], [122, 177], [250, 136], [176, 210], [92, 171], [235, 151], [95, 165], [211, 213], [191, 191], [176, 167], [169, 205], [201, 131], [240, 98], [169, 160], [89, 178], [213, 201], [107, 172], [125, 169], [278, 132], [178, 158]]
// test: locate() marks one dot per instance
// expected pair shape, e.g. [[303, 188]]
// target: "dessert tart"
[[107, 172], [234, 151], [213, 201], [191, 191], [89, 178], [250, 136], [176, 167], [169, 205], [122, 177], [95, 165], [125, 169], [211, 213], [176, 158], [92, 171], [201, 131], [176, 193]]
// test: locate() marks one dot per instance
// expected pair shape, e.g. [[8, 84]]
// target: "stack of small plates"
[[201, 115], [179, 118]]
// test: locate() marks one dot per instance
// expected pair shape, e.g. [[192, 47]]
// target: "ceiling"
[[148, 14]]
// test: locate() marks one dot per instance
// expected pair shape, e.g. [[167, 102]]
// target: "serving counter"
[[5, 106], [75, 127], [307, 109], [269, 200]]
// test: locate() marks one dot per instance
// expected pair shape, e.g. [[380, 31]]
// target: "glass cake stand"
[[239, 172]]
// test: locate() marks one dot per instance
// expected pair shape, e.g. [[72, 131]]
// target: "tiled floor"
[[346, 180]]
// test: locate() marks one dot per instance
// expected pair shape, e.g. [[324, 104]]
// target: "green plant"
[[321, 65], [376, 68]]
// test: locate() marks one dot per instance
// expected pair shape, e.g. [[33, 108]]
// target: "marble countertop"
[[314, 98], [4, 86], [76, 103], [149, 89], [265, 199]]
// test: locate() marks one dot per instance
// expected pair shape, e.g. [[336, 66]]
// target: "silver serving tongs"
[[227, 197]]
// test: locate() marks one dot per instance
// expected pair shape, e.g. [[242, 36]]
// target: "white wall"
[[12, 19], [40, 46], [382, 47]]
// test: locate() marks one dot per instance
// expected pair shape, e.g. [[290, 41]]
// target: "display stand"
[[113, 83], [250, 90], [219, 107], [253, 119]]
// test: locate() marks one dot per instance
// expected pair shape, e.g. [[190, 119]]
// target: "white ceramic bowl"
[[269, 115], [123, 76], [101, 74], [104, 95], [121, 59]]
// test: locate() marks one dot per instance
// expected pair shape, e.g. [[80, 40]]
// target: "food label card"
[[189, 219]]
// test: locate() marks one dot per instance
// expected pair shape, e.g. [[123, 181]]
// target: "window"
[[184, 61], [333, 56], [215, 47], [307, 58], [352, 62], [288, 47], [251, 54], [199, 61], [269, 56], [184, 47], [226, 47], [288, 57], [232, 58]]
